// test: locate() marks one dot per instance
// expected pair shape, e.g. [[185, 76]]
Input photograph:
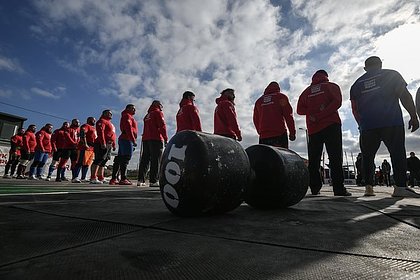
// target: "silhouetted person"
[[413, 165], [375, 98]]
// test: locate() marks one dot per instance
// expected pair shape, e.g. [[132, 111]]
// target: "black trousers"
[[331, 136], [151, 154], [394, 139], [278, 141]]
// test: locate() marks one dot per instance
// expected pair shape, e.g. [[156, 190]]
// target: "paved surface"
[[68, 231]]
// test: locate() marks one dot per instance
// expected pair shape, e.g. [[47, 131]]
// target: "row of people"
[[374, 97]]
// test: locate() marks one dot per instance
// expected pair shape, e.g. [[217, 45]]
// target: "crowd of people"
[[374, 96]]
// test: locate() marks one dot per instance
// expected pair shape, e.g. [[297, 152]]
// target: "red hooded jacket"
[[29, 141], [106, 132], [320, 103], [154, 125], [16, 143], [271, 111], [128, 127], [225, 122], [43, 141], [187, 117]]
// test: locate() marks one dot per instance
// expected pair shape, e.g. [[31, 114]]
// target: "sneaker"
[[40, 177], [125, 182], [7, 177], [75, 180], [95, 182], [20, 177], [58, 179], [141, 184], [113, 182], [48, 178], [32, 177], [343, 193], [85, 181], [404, 192], [155, 184], [369, 191], [64, 179]]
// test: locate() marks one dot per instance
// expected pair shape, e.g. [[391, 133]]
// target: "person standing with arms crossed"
[[375, 98]]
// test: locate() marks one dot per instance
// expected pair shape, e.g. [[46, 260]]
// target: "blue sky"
[[73, 59]]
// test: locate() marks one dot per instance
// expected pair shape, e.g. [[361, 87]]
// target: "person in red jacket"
[[57, 144], [225, 122], [271, 111], [85, 153], [16, 143], [27, 151], [187, 117], [68, 138], [153, 139], [126, 145], [320, 103], [104, 142], [42, 151]]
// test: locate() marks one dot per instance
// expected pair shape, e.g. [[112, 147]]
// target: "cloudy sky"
[[73, 59]]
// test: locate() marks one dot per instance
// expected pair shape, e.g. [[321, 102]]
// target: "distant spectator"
[[386, 171], [413, 166]]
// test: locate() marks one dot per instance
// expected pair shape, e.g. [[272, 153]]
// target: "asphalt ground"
[[54, 230]]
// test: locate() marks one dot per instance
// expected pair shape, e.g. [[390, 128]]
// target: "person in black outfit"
[[413, 165]]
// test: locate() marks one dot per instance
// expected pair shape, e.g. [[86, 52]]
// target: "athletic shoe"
[[58, 179], [32, 177], [95, 182], [113, 182], [85, 180], [64, 179], [125, 182], [369, 191], [141, 184], [7, 177], [404, 192], [75, 180], [155, 184], [40, 177], [48, 178], [20, 177]]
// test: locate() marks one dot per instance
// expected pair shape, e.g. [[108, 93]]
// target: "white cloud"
[[56, 94], [11, 65], [5, 93], [158, 49]]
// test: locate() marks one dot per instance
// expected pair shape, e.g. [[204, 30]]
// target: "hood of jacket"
[[185, 102], [272, 88], [318, 78]]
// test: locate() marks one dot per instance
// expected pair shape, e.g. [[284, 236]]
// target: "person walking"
[[16, 143], [375, 98], [413, 165], [188, 117], [153, 139], [225, 120], [272, 112], [126, 144], [320, 102]]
